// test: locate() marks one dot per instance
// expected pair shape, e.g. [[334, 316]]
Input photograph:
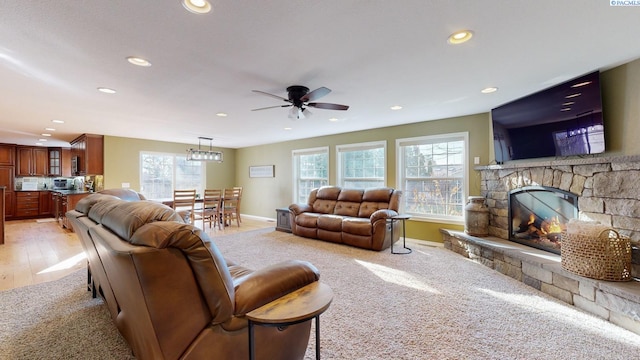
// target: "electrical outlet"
[[125, 185], [476, 160]]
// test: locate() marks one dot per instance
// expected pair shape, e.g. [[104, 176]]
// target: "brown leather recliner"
[[175, 296]]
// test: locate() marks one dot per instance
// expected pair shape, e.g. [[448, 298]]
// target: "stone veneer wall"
[[607, 189]]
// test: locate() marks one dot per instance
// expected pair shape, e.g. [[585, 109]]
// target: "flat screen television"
[[564, 120]]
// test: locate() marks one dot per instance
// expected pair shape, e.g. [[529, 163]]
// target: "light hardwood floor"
[[36, 251]]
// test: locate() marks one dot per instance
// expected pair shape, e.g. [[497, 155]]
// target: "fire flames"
[[550, 228]]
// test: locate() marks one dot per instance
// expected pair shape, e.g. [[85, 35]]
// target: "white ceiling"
[[372, 53]]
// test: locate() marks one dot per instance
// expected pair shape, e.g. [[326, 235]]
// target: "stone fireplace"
[[539, 214], [604, 188], [591, 188]]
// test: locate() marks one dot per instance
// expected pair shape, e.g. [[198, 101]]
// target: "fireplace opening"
[[538, 214]]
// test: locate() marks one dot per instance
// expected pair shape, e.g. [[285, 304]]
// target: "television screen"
[[564, 120]]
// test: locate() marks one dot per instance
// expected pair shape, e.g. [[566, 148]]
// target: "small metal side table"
[[392, 220], [299, 306]]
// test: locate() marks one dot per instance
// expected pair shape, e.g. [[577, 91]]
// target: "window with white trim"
[[433, 175], [161, 173], [362, 165], [310, 171]]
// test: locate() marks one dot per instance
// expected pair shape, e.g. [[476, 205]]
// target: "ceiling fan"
[[299, 100]]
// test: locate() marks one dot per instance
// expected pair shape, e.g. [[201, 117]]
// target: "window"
[[362, 165], [161, 173], [432, 174], [310, 171]]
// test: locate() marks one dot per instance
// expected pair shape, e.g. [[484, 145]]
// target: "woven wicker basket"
[[606, 257]]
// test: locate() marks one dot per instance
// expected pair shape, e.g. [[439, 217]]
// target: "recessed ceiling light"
[[57, 121], [460, 37], [138, 61], [42, 139], [333, 119], [106, 90], [197, 6], [221, 114], [39, 143], [396, 107], [568, 103], [572, 95], [565, 109], [288, 128], [50, 129], [45, 134], [489, 90]]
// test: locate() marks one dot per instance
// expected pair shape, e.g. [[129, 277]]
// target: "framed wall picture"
[[262, 171]]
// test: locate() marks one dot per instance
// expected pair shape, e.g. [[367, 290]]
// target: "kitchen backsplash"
[[90, 183]]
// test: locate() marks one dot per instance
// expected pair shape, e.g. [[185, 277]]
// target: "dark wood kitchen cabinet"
[[32, 161], [27, 203], [87, 155], [7, 155], [59, 162], [6, 180], [45, 202]]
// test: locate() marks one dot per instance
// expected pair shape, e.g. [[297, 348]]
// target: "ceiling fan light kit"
[[299, 99]]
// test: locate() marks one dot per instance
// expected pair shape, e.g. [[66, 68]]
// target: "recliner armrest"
[[265, 285], [382, 214], [300, 208]]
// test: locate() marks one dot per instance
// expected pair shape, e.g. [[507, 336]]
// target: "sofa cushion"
[[347, 208], [368, 208], [86, 203], [357, 226], [309, 220], [374, 199], [330, 222], [324, 206], [125, 218], [328, 193], [124, 194], [207, 264], [351, 195], [377, 195]]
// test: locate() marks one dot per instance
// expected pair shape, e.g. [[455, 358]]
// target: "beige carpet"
[[432, 304]]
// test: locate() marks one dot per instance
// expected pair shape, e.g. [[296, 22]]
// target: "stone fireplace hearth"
[[605, 188]]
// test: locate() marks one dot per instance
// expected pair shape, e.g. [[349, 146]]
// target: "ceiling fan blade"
[[316, 94], [271, 107], [328, 106], [275, 96]]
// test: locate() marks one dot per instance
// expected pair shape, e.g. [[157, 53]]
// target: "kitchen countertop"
[[65, 192], [72, 192]]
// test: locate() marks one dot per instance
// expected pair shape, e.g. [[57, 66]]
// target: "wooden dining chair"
[[229, 210], [238, 193], [184, 202], [210, 211]]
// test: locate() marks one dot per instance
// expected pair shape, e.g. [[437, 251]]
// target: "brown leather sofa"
[[356, 217], [124, 194], [94, 279], [170, 292]]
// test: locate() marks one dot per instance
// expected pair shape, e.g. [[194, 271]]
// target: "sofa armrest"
[[298, 209], [382, 214], [270, 283]]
